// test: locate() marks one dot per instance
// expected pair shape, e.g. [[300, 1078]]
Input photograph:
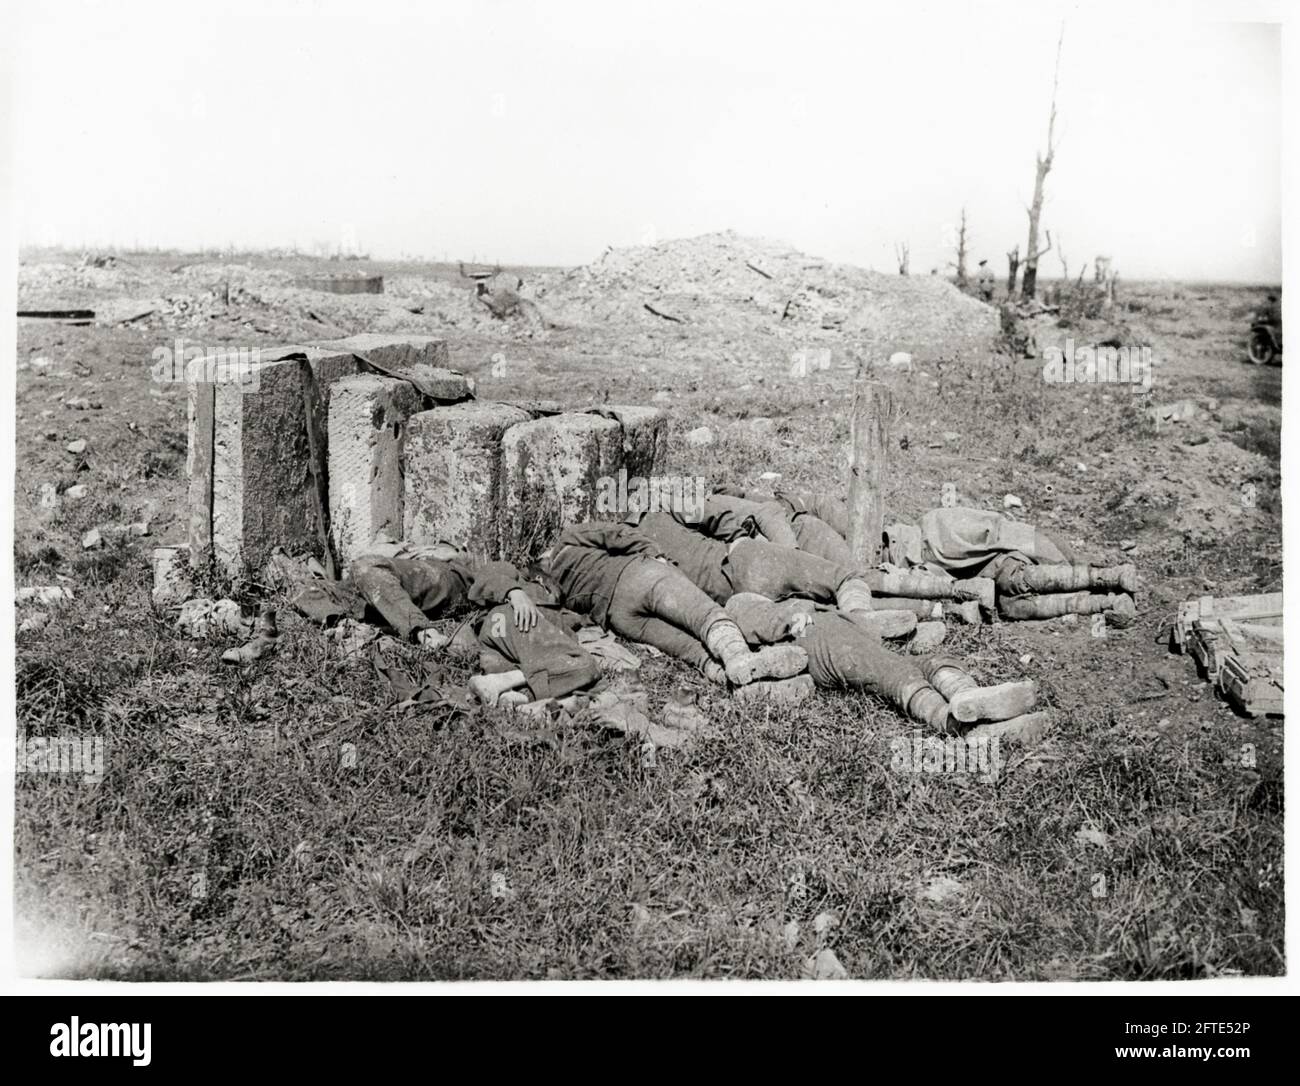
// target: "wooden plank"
[[873, 406], [200, 492]]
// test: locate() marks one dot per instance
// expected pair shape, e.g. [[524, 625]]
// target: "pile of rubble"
[[724, 283]]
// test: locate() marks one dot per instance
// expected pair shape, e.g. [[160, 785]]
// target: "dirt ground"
[[1141, 839]]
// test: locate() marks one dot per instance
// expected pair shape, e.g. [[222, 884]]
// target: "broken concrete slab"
[[366, 437], [454, 475], [552, 469]]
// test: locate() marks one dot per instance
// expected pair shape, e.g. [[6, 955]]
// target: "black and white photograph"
[[683, 497]]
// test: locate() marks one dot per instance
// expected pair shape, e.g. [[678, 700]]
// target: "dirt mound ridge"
[[726, 283]]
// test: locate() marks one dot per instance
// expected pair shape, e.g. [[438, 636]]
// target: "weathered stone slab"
[[367, 435], [394, 351], [263, 489], [454, 475], [645, 438], [552, 469]]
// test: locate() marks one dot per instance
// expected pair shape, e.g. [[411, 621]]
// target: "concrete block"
[[393, 351], [552, 469], [454, 475], [645, 438], [367, 434], [263, 492]]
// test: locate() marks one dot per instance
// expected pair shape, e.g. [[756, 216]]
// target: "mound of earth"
[[724, 283]]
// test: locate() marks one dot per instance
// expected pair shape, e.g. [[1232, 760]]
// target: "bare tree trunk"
[[1013, 266], [1043, 167], [902, 253]]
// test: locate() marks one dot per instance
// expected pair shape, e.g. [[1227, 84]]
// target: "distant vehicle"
[[1265, 344]]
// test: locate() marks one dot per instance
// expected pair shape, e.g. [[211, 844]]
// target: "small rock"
[[771, 478], [76, 493], [1089, 835], [927, 638], [700, 436], [942, 888], [824, 965], [80, 403], [77, 447], [790, 933], [92, 539], [901, 358], [951, 435], [1012, 502], [48, 594], [34, 623], [140, 527], [1127, 544], [1027, 659], [49, 498], [1081, 467], [662, 396], [823, 922]]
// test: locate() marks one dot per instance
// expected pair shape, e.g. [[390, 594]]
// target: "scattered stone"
[[928, 637], [34, 623], [942, 888], [901, 358], [824, 922], [140, 527], [80, 403], [1127, 544], [824, 965], [77, 447], [76, 493], [48, 594], [171, 584], [790, 933], [1027, 659], [662, 396], [1011, 501], [700, 436], [92, 540], [219, 618]]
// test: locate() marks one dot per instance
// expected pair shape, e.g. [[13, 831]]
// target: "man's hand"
[[525, 610]]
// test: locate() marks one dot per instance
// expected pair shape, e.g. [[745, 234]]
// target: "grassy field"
[[287, 822]]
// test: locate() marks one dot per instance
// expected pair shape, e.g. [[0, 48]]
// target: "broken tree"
[[1044, 165]]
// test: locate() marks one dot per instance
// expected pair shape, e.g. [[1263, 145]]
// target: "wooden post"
[[200, 494], [873, 405]]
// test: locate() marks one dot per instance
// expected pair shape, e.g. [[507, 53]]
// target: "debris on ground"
[[1238, 641]]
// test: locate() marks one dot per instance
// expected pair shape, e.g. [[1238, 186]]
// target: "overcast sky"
[[544, 133]]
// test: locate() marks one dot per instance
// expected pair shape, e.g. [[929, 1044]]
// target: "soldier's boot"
[[968, 701]]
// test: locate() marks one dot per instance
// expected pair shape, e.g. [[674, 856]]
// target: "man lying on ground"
[[523, 639], [749, 564], [842, 655], [1036, 574], [619, 577]]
